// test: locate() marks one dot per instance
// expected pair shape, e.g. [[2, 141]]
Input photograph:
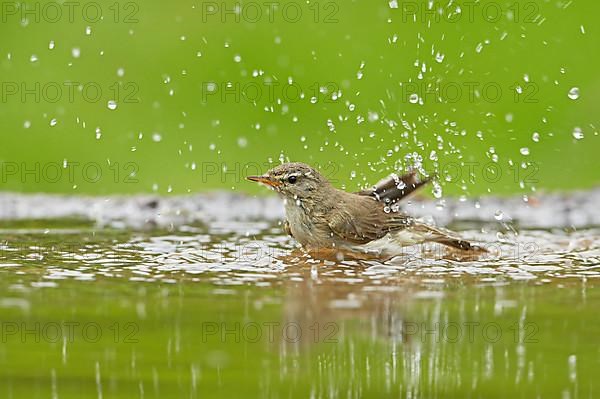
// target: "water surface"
[[233, 309]]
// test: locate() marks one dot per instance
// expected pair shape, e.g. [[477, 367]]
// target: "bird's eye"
[[292, 179]]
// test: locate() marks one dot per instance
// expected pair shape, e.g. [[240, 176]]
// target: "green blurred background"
[[354, 87]]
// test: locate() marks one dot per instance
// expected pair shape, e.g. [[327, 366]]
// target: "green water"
[[215, 312]]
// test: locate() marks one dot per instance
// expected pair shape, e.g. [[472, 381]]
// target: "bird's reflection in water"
[[352, 319], [324, 298]]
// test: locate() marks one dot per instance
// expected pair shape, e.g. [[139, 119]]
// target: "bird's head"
[[295, 180]]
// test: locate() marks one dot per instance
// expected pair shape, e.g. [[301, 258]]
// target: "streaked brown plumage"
[[319, 216]]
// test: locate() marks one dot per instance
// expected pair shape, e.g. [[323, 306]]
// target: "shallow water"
[[235, 309]]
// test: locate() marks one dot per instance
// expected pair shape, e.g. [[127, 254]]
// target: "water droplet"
[[210, 87], [76, 52], [237, 58], [535, 137], [98, 133], [572, 368], [499, 215], [53, 122], [33, 58], [51, 45], [27, 124], [156, 137], [574, 93], [212, 146], [437, 190], [112, 105], [88, 30], [439, 57], [387, 209], [577, 133], [508, 118], [120, 72], [393, 3], [242, 142], [330, 125], [314, 272], [524, 151]]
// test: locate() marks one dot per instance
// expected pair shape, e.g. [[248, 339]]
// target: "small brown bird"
[[319, 216]]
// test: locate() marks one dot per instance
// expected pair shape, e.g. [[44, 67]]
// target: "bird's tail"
[[443, 236], [395, 188]]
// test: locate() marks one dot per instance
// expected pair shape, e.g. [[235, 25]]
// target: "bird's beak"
[[264, 180]]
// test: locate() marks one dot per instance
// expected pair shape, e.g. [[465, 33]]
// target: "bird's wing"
[[394, 188], [364, 221]]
